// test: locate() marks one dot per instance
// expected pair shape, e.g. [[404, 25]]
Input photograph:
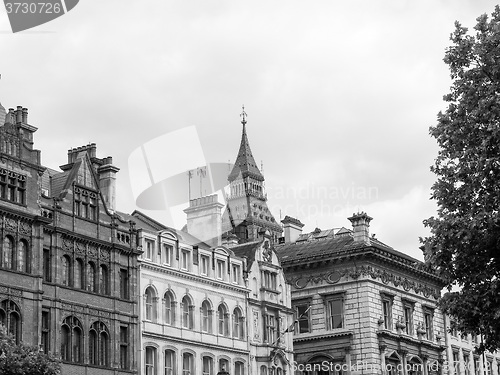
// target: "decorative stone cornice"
[[333, 277]]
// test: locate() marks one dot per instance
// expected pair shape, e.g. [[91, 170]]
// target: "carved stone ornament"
[[10, 224], [25, 228]]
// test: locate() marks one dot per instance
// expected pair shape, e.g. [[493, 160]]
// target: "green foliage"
[[464, 246], [22, 359]]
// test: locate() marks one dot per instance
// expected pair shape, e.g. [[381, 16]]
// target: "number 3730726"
[[33, 8]]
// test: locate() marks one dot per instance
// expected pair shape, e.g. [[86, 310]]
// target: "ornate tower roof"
[[245, 164]]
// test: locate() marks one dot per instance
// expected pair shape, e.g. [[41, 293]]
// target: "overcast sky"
[[339, 95]]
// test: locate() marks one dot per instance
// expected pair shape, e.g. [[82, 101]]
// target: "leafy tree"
[[21, 359], [464, 246]]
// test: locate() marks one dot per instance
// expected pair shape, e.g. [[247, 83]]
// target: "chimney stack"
[[360, 224], [292, 228], [204, 219], [107, 179]]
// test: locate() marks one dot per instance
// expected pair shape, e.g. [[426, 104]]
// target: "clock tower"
[[247, 215]]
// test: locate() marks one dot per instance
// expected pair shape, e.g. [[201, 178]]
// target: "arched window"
[[23, 257], [223, 365], [71, 340], [239, 368], [169, 362], [223, 318], [66, 270], [206, 317], [187, 364], [208, 366], [150, 360], [8, 252], [150, 297], [79, 274], [187, 313], [10, 317], [169, 308], [91, 277], [263, 370], [103, 279], [99, 344], [238, 330]]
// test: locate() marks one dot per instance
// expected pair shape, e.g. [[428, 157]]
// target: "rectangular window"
[[168, 253], [46, 266], [428, 320], [387, 301], [221, 265], [477, 370], [303, 324], [124, 347], [335, 312], [270, 329], [12, 186], [467, 364], [46, 331], [124, 289], [185, 260], [236, 273], [204, 265], [149, 249], [456, 363], [408, 317]]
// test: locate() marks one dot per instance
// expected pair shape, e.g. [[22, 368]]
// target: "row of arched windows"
[[87, 276], [187, 309], [186, 363], [10, 318], [72, 342], [15, 256]]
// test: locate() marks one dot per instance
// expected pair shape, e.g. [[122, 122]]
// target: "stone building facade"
[[68, 264], [361, 306], [462, 358], [214, 309]]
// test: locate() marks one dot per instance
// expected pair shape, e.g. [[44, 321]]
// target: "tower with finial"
[[247, 214]]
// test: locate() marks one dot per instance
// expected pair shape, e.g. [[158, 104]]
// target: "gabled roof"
[[247, 250], [245, 164]]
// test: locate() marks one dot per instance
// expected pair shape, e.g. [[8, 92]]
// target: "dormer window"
[[185, 259], [167, 253], [149, 249], [204, 265], [220, 269], [235, 272]]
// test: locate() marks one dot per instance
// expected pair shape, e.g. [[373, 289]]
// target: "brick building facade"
[[68, 264]]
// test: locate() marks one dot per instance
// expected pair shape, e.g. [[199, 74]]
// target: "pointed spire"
[[245, 164]]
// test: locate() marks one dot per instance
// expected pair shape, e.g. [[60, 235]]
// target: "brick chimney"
[[107, 179], [204, 219], [360, 224], [292, 228]]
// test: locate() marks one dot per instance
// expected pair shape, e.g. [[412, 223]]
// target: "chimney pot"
[[25, 115]]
